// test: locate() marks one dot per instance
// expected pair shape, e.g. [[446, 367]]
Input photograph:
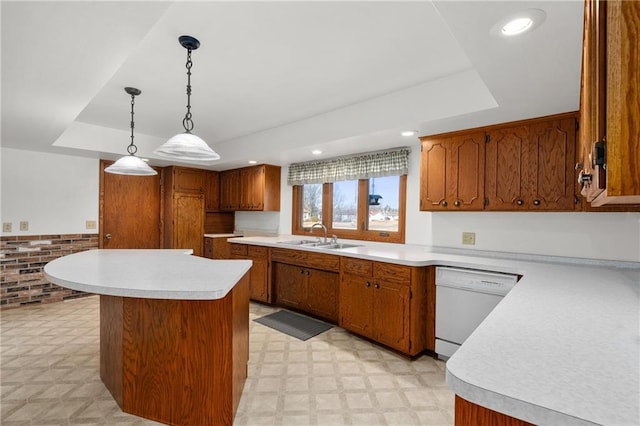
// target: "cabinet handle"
[[519, 202], [368, 284], [444, 203], [302, 271], [536, 202], [307, 273], [376, 285], [457, 203]]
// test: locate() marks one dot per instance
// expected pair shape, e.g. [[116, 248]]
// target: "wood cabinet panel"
[[468, 413], [322, 294], [364, 268], [259, 282], [252, 195], [390, 272], [188, 222], [212, 191], [188, 180], [452, 172], [327, 262], [356, 304], [289, 283], [530, 165], [230, 186], [391, 313]]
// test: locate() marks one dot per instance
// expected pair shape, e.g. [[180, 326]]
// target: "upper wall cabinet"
[[610, 112], [452, 172], [254, 188], [526, 165], [184, 208], [212, 191], [530, 166]]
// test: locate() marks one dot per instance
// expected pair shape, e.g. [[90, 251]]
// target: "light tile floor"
[[49, 375]]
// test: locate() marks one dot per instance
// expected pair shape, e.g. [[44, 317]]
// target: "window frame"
[[363, 203]]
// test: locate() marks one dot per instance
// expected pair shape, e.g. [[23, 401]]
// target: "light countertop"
[[562, 348], [153, 274]]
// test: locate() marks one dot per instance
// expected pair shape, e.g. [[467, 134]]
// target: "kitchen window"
[[370, 208]]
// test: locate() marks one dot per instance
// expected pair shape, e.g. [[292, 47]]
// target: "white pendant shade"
[[186, 146], [131, 165]]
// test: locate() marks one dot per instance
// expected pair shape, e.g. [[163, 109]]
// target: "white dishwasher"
[[464, 298]]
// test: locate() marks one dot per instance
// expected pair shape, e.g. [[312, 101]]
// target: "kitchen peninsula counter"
[[562, 348], [174, 330]]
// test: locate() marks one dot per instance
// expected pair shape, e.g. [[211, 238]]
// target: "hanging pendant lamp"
[[187, 146], [130, 164]]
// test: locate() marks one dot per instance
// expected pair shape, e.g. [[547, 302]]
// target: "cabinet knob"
[[308, 273], [519, 202], [302, 271], [536, 202], [457, 203], [444, 203], [368, 284], [376, 285], [107, 236]]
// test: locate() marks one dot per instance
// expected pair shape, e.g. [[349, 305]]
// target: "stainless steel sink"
[[339, 246], [298, 242]]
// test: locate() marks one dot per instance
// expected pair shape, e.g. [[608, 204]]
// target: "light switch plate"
[[90, 224], [469, 238], [24, 225], [6, 227]]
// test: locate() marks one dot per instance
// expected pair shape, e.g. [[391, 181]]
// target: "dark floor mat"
[[293, 324]]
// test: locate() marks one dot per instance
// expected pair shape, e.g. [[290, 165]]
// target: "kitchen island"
[[174, 330]]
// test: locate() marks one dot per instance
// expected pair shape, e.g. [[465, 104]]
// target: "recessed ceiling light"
[[409, 133], [316, 152], [518, 23], [517, 26], [253, 162]]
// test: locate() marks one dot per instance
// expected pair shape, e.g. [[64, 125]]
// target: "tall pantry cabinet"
[[184, 207]]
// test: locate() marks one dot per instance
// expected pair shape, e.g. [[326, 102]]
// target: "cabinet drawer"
[[238, 249], [363, 268], [393, 273], [324, 262], [257, 251]]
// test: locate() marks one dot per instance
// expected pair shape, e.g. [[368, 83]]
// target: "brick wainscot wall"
[[23, 259]]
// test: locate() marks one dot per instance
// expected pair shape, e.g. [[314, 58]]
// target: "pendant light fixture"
[[130, 164], [187, 146]]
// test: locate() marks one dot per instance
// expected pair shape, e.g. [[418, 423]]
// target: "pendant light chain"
[[187, 123], [132, 149]]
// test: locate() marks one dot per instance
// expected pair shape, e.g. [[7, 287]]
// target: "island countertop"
[[562, 348], [152, 274]]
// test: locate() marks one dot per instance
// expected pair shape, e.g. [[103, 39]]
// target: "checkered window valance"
[[360, 166]]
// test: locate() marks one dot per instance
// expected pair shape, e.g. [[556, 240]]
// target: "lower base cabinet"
[[468, 413], [385, 302], [307, 289], [259, 272]]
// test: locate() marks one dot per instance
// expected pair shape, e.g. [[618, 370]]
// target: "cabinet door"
[[188, 180], [290, 285], [356, 304], [322, 294], [230, 190], [258, 279], [505, 170], [452, 172], [212, 193], [208, 248], [252, 188], [188, 222], [550, 161], [391, 314]]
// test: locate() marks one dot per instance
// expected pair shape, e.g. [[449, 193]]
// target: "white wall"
[[55, 193]]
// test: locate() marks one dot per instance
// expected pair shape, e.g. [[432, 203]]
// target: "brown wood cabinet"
[[217, 248], [452, 171], [230, 185], [610, 103], [301, 282], [212, 191], [530, 165], [259, 272], [184, 209], [385, 302], [254, 188]]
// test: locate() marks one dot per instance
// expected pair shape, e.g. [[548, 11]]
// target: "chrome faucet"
[[324, 228]]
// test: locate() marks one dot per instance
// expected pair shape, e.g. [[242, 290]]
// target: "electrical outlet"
[[469, 238], [90, 224], [24, 225], [6, 227]]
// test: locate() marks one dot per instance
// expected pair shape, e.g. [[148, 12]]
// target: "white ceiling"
[[273, 80]]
